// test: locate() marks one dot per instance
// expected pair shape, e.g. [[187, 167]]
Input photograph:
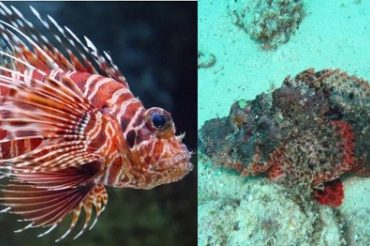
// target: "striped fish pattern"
[[70, 126]]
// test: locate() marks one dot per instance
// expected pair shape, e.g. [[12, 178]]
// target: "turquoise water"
[[235, 63]]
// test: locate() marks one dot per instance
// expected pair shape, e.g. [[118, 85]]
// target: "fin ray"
[[60, 114], [82, 57], [74, 201]]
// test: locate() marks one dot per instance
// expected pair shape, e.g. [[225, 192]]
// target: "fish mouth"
[[182, 165], [185, 166], [183, 161], [177, 168]]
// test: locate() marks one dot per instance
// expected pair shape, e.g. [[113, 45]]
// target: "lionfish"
[[70, 126]]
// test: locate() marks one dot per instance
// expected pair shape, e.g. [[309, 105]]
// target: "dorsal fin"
[[66, 51]]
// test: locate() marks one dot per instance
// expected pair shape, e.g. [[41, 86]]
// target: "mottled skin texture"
[[305, 134]]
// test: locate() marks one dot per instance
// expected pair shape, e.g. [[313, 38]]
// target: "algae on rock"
[[270, 22], [236, 211]]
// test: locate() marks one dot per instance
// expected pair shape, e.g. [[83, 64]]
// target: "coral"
[[304, 135], [355, 211], [270, 22]]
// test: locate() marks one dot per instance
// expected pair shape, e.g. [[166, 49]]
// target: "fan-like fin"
[[331, 195], [66, 51], [55, 111], [66, 178], [44, 207]]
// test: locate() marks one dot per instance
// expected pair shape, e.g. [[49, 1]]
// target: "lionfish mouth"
[[182, 164], [183, 160]]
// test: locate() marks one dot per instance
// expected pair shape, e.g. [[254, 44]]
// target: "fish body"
[[305, 135], [69, 126]]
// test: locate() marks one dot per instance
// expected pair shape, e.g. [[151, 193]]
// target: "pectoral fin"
[[46, 207], [331, 195]]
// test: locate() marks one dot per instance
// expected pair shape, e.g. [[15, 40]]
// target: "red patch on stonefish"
[[332, 195]]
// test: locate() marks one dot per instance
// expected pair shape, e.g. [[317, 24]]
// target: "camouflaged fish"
[[70, 126], [307, 135]]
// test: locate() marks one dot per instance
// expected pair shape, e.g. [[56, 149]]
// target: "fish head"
[[158, 154]]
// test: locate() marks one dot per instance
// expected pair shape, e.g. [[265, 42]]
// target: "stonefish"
[[305, 135]]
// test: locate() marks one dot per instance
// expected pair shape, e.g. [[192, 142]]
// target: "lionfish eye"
[[158, 120]]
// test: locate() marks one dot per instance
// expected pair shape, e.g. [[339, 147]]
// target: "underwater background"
[[154, 45], [248, 47]]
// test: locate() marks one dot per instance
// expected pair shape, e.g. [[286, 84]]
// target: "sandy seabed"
[[332, 34]]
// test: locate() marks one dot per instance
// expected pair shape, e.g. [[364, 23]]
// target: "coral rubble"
[[233, 211], [270, 22], [304, 135], [206, 59]]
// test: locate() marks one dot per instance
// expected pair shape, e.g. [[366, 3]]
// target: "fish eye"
[[158, 120]]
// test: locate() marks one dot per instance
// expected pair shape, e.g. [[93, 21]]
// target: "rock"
[[270, 22]]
